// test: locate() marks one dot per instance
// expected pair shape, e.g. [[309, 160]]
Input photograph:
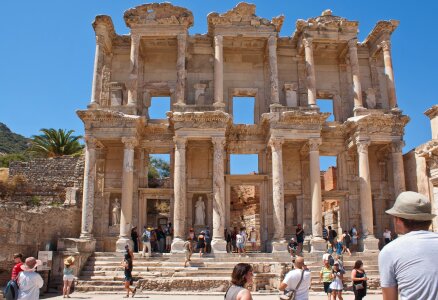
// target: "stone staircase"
[[103, 273]]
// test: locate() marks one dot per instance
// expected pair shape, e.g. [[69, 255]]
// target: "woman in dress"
[[201, 244], [336, 286], [241, 278], [128, 266], [325, 276], [68, 276], [359, 279]]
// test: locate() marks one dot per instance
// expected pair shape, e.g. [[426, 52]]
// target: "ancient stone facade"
[[422, 166], [241, 55]]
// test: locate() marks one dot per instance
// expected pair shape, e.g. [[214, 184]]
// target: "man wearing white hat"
[[29, 281], [408, 264]]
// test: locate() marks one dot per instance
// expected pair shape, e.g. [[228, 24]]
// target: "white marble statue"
[[200, 212], [116, 212]]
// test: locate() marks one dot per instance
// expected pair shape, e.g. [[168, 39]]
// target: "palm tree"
[[54, 143]]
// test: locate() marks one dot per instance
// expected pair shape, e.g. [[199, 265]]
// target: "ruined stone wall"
[[416, 173], [330, 179], [28, 230], [48, 178]]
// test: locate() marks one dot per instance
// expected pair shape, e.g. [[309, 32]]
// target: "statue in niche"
[[289, 214], [116, 212], [371, 98], [200, 212]]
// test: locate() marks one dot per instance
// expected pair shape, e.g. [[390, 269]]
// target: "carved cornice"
[[106, 23], [206, 119], [377, 124], [103, 115], [432, 112], [243, 14], [397, 146], [382, 27], [428, 149], [276, 143], [295, 119], [158, 14]]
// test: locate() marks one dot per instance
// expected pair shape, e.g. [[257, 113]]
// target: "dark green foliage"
[[158, 168], [54, 143], [11, 142], [5, 160]]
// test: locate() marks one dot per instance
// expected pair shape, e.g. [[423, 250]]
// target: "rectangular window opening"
[[159, 107], [158, 170], [326, 105], [243, 110], [244, 164], [328, 169]]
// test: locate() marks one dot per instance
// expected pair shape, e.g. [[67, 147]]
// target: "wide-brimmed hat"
[[31, 263], [69, 261], [412, 206]]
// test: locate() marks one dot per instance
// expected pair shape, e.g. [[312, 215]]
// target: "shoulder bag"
[[290, 295]]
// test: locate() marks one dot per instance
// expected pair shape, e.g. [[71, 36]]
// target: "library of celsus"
[[286, 78]]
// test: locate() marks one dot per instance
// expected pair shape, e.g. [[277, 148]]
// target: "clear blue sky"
[[47, 53]]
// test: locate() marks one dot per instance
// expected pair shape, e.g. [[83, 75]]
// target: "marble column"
[[133, 76], [180, 198], [366, 201], [144, 169], [96, 86], [278, 242], [181, 69], [389, 72], [318, 243], [273, 69], [127, 194], [218, 72], [310, 72], [354, 61], [398, 168], [218, 244], [88, 190]]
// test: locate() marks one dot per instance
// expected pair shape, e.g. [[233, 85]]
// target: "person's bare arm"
[[282, 286], [353, 275], [390, 293]]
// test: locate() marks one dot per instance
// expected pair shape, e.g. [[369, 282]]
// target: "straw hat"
[[30, 264], [69, 261], [412, 206]]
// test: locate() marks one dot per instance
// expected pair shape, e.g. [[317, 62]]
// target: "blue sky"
[[47, 53]]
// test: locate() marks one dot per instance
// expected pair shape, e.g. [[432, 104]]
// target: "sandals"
[[134, 291]]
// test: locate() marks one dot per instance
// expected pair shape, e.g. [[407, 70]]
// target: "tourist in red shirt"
[[18, 259]]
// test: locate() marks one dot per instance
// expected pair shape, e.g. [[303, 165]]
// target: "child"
[[188, 250], [68, 276]]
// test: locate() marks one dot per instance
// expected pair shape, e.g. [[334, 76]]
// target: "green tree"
[[54, 143], [158, 168]]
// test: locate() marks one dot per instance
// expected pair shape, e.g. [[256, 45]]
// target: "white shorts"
[[253, 240], [68, 277]]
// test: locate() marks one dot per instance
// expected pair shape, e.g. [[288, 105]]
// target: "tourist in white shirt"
[[387, 236], [293, 278], [29, 281]]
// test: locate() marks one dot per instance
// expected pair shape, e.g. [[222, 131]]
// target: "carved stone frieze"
[[295, 119], [102, 118], [207, 119], [314, 144], [130, 142], [158, 14]]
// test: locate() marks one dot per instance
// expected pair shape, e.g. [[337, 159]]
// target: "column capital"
[[362, 145], [218, 141], [218, 39], [130, 142], [135, 39], [314, 144], [181, 37], [92, 142], [272, 40], [276, 143], [385, 45], [180, 142], [308, 42], [397, 146], [352, 43]]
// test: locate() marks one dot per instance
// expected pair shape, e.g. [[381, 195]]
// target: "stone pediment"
[[243, 15], [106, 22], [377, 124], [200, 120], [158, 14]]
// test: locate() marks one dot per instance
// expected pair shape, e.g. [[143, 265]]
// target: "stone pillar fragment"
[[273, 69], [218, 244], [318, 243], [398, 168], [133, 76], [127, 194], [96, 86], [354, 61], [88, 190], [218, 72], [389, 72], [181, 69], [179, 213], [366, 201], [278, 242], [310, 72], [291, 94]]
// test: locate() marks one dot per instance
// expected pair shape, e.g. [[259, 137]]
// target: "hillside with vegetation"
[[11, 142]]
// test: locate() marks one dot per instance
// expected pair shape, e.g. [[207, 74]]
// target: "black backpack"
[[335, 234], [11, 290]]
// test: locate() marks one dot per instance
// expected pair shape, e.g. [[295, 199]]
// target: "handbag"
[[359, 286], [290, 295]]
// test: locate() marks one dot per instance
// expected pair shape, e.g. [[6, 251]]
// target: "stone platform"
[[103, 273]]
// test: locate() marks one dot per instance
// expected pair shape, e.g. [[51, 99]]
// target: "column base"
[[219, 106], [359, 111], [177, 246], [318, 245], [86, 236], [279, 246], [93, 105], [122, 242], [218, 246], [370, 244]]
